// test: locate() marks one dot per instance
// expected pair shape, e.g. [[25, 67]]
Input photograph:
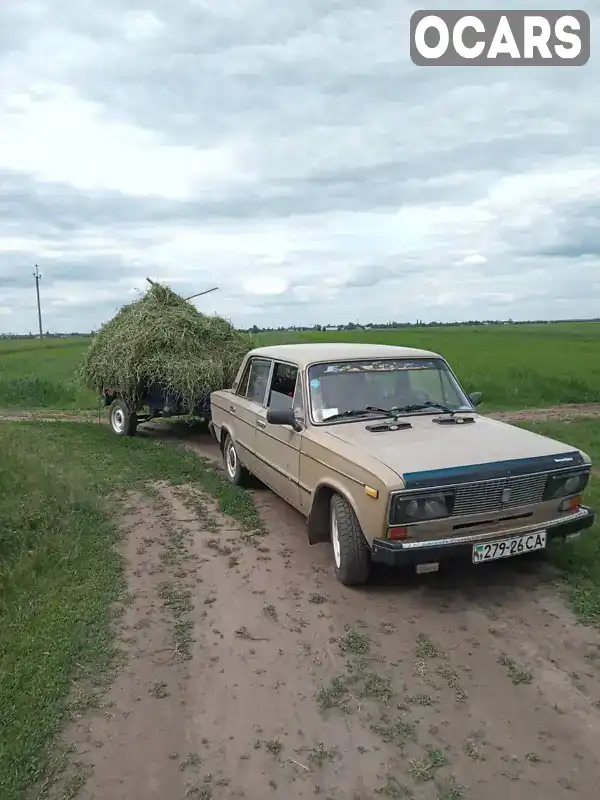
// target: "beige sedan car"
[[383, 452]]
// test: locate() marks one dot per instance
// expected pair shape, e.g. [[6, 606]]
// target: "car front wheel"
[[350, 550], [236, 473]]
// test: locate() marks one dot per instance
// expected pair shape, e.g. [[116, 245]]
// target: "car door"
[[278, 446], [244, 407]]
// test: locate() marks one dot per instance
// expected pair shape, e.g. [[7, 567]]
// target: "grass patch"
[[60, 572]]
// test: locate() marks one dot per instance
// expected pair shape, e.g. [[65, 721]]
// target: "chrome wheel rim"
[[118, 420], [231, 460], [335, 539]]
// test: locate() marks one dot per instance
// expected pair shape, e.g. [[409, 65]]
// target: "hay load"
[[163, 341]]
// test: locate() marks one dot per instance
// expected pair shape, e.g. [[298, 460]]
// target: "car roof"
[[307, 353]]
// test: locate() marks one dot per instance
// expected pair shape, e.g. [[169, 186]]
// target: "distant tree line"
[[348, 326], [355, 326]]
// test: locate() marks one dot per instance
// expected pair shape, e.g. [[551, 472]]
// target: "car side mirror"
[[476, 398], [283, 416]]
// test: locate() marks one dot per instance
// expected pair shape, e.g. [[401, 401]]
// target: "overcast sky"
[[292, 155]]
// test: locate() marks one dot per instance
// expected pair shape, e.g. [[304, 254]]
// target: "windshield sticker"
[[329, 412], [383, 366], [315, 383]]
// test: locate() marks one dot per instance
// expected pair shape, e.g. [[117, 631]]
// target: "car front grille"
[[499, 494]]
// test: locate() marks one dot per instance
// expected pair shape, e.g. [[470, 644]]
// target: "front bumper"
[[397, 553]]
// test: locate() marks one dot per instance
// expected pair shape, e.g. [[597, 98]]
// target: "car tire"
[[351, 554], [236, 473], [122, 421]]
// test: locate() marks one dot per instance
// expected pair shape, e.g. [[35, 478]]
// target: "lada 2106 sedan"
[[383, 452]]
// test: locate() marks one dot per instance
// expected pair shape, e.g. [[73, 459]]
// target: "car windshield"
[[420, 386]]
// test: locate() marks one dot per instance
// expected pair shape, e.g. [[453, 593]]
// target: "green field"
[[515, 366], [42, 374]]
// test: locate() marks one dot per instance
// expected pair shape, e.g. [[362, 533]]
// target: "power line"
[[38, 278]]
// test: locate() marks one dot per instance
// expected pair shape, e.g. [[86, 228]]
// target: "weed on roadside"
[[450, 791], [319, 755], [191, 760], [218, 547], [378, 687], [393, 788], [516, 673], [426, 648], [176, 599], [160, 690], [423, 769], [355, 642], [420, 700], [274, 746], [334, 695], [472, 750], [398, 732]]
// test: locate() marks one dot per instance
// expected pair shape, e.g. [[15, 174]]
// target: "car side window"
[[254, 383], [298, 404], [283, 384]]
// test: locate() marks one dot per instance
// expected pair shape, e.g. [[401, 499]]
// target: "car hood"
[[428, 446]]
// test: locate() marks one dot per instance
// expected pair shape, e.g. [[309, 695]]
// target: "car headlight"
[[565, 484], [405, 509]]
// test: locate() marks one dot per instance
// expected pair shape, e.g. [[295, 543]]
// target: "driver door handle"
[[261, 423], [232, 408]]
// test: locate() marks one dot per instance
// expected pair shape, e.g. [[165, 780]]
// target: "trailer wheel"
[[122, 421], [236, 473]]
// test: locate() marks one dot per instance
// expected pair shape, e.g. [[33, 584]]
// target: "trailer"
[[153, 403]]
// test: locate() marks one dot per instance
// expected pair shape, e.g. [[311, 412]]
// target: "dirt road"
[[251, 672]]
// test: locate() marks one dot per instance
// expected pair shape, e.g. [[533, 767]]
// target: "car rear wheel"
[[351, 553], [122, 421], [236, 473]]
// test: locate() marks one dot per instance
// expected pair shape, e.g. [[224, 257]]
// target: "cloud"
[[291, 155]]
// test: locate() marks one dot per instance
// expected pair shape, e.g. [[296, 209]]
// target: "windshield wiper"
[[429, 404], [394, 413], [398, 410], [358, 412]]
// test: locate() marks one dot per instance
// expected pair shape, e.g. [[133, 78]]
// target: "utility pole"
[[38, 278]]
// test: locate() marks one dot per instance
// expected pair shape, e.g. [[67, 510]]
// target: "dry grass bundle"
[[164, 340]]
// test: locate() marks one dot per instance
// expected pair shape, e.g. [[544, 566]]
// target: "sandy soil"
[[251, 672]]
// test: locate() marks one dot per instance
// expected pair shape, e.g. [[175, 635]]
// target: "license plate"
[[516, 546]]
